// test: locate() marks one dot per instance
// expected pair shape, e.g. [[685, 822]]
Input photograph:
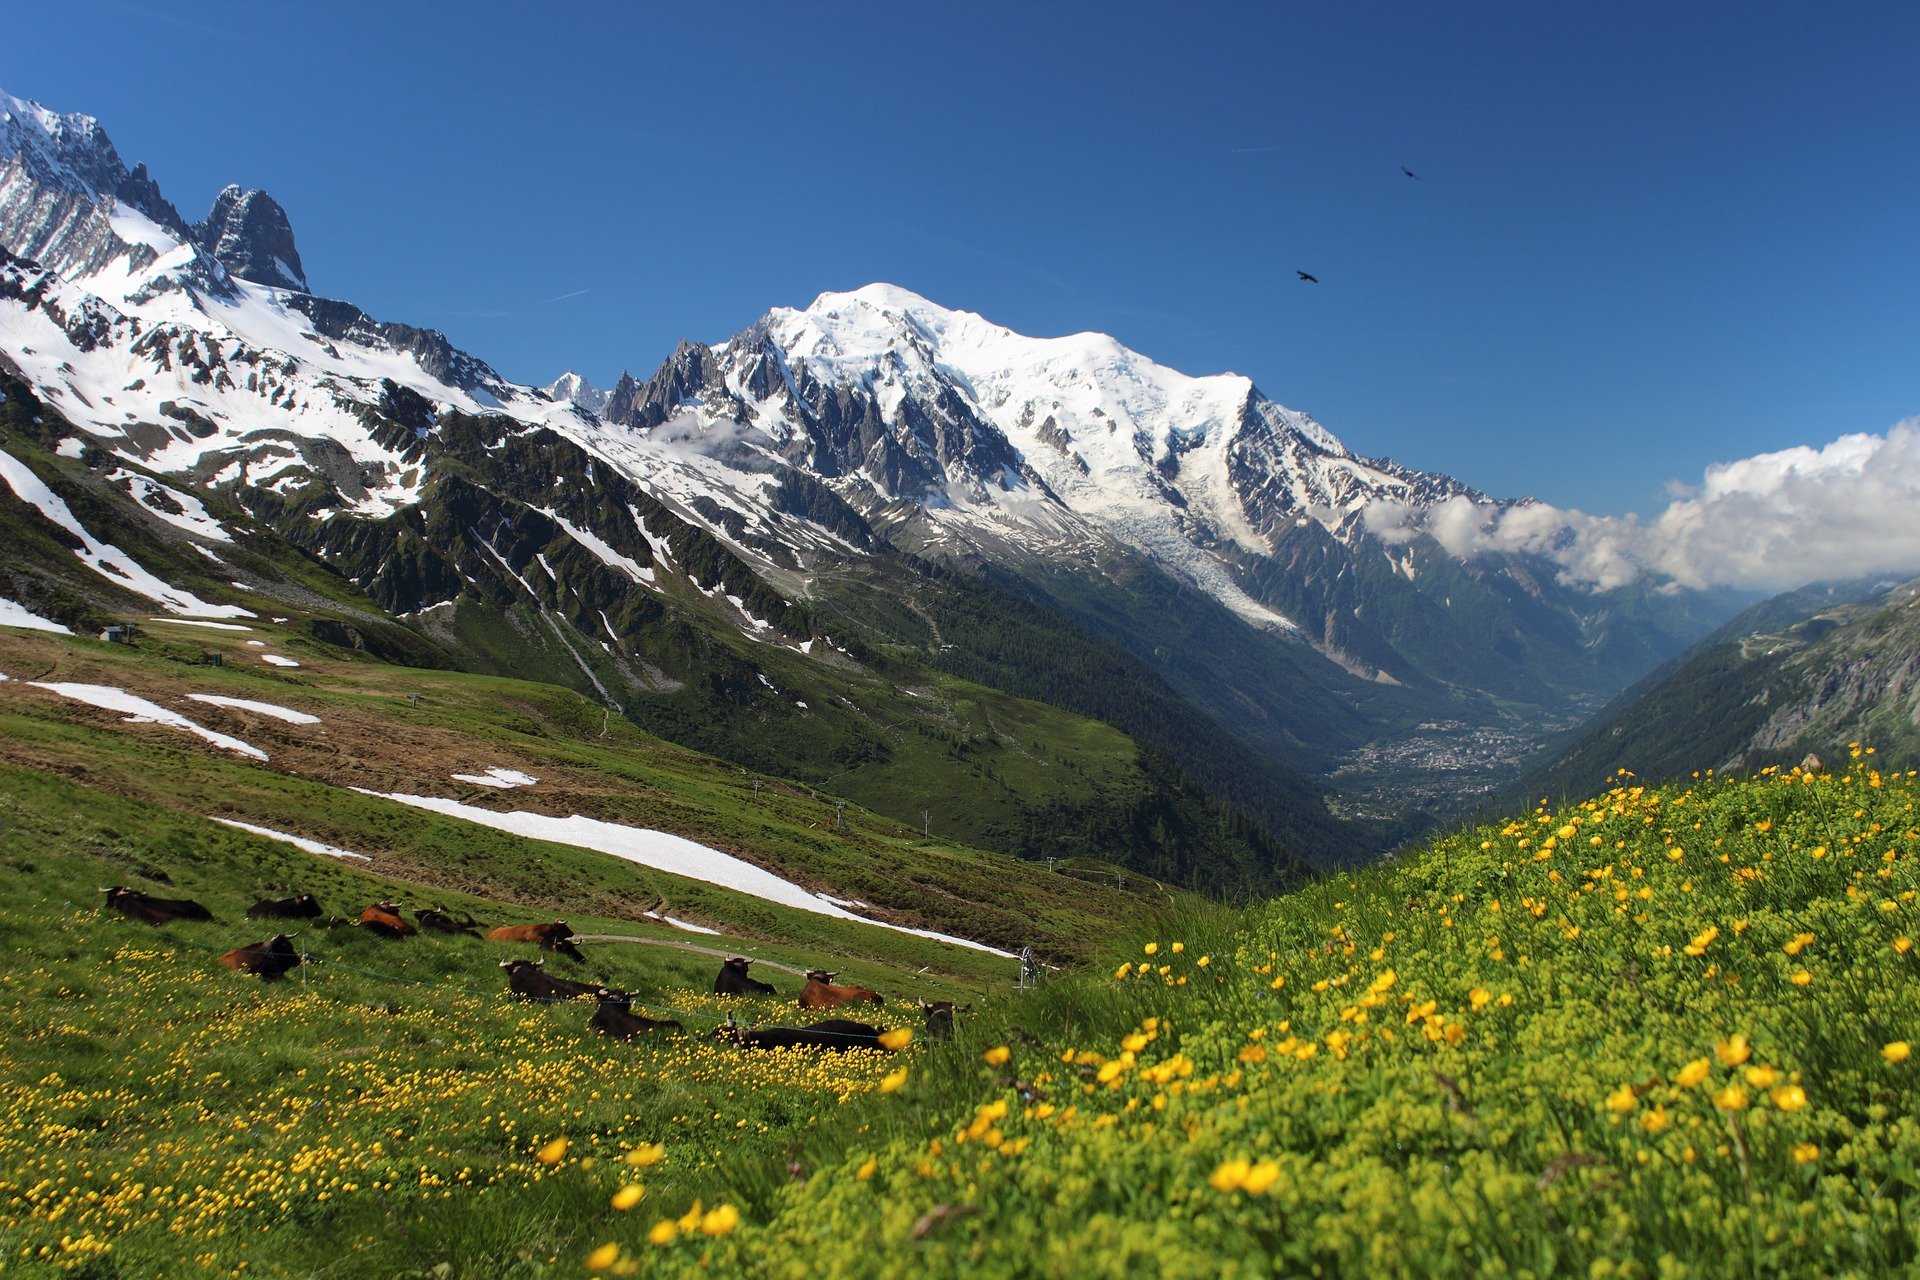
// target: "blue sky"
[[1645, 238]]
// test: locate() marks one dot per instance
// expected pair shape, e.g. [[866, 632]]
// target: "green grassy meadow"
[[1660, 1032]]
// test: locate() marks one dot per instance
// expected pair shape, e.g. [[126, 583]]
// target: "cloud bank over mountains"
[[1769, 522]]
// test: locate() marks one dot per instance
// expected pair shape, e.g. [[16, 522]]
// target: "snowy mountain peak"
[[573, 388], [67, 152]]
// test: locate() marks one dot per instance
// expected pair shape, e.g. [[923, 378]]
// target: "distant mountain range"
[[872, 480]]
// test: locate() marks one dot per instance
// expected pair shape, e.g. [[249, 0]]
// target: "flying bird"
[[1410, 173], [1309, 279]]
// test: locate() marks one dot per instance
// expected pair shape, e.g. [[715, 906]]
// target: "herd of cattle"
[[528, 980]]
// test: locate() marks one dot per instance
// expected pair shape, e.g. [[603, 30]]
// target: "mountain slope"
[[1807, 672]]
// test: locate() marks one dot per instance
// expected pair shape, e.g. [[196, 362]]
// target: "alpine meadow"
[[496, 785]]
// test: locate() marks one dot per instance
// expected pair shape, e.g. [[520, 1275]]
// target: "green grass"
[[1482, 1059]]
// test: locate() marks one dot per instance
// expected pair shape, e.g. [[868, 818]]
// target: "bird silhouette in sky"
[[1309, 279], [1410, 173]]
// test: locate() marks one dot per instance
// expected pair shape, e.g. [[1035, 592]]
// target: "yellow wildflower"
[[1230, 1175], [1789, 1097], [647, 1153], [1898, 1051], [1260, 1177], [603, 1257], [1734, 1050], [1805, 1153], [893, 1080], [1622, 1100], [997, 1055], [897, 1038], [1762, 1077], [866, 1168], [1731, 1098], [552, 1153], [664, 1231], [1693, 1073], [628, 1196]]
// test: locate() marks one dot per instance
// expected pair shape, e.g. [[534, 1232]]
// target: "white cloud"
[[1769, 522]]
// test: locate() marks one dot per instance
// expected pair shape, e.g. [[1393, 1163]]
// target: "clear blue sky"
[[1646, 237]]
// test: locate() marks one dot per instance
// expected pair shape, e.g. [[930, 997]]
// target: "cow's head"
[[821, 976]]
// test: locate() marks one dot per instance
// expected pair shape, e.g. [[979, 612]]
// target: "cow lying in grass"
[[733, 980], [821, 993], [385, 920], [267, 961], [836, 1035], [615, 1016], [526, 980], [301, 907], [548, 937], [144, 906], [440, 920]]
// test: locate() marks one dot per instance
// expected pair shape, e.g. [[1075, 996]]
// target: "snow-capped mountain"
[[1191, 521], [946, 428]]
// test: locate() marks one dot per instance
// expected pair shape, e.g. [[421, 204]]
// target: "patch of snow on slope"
[[504, 779], [104, 558], [140, 711], [663, 852], [260, 708], [196, 622], [594, 543], [155, 497], [14, 615], [298, 842], [277, 660]]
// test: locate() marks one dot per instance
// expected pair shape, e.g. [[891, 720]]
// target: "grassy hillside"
[[1661, 1032], [396, 730]]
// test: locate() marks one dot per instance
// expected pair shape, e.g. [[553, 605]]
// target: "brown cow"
[[385, 919], [548, 937], [144, 906], [939, 1018], [615, 1017], [265, 960], [820, 993]]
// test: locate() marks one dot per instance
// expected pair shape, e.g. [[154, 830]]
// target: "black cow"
[[440, 920], [303, 907], [265, 960], [835, 1035], [144, 906], [733, 980], [615, 1017], [526, 979]]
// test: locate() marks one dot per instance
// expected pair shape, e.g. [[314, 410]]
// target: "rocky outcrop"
[[248, 233]]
